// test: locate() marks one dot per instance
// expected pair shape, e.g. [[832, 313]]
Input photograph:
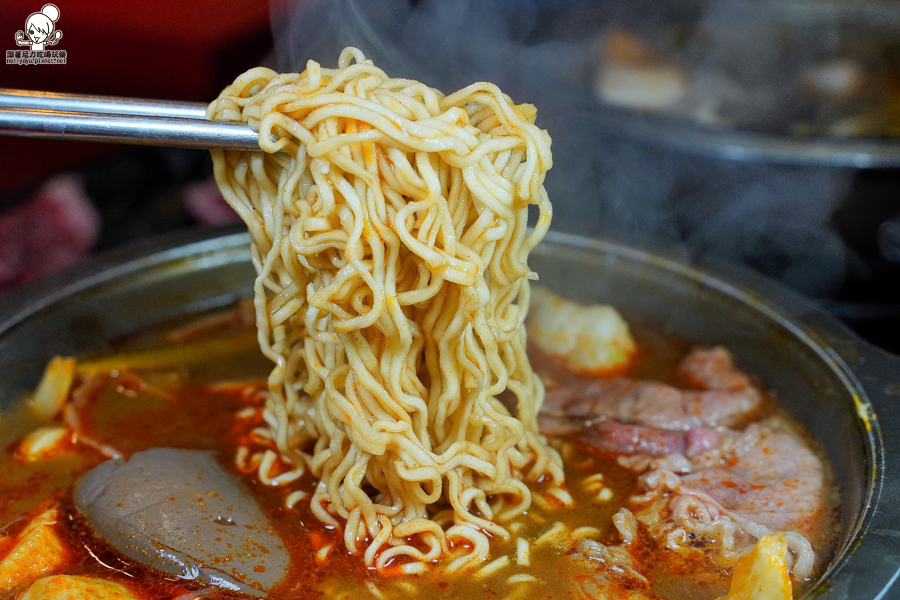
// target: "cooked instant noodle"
[[388, 224]]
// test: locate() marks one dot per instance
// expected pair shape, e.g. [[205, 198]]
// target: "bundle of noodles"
[[389, 235]]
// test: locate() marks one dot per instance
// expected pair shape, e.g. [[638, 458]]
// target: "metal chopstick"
[[121, 120], [115, 105]]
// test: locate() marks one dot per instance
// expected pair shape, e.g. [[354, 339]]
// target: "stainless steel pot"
[[751, 147], [842, 389]]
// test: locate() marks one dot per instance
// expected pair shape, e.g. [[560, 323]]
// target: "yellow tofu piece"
[[43, 442], [35, 552], [762, 574], [73, 587], [54, 387]]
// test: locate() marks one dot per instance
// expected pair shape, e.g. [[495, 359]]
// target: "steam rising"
[[604, 183]]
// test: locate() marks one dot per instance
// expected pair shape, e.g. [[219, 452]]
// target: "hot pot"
[[841, 388]]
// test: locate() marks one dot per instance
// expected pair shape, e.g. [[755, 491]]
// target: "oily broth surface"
[[196, 406]]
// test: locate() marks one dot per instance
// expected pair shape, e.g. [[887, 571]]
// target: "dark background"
[[151, 49]]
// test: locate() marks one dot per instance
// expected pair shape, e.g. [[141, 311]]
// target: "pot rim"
[[749, 146]]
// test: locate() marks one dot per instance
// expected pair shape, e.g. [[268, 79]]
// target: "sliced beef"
[[702, 439], [748, 484], [712, 369], [707, 477], [619, 438], [633, 439], [767, 475], [653, 404], [722, 397]]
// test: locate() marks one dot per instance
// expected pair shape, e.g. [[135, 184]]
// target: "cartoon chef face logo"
[[41, 29]]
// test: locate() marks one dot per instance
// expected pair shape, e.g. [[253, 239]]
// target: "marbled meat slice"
[[619, 438], [712, 369], [653, 404], [767, 475], [633, 439], [724, 397]]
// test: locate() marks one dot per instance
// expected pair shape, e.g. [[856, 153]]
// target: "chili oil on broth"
[[214, 402]]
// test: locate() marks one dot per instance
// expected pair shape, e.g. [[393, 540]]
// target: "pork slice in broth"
[[722, 396], [652, 404], [755, 482], [712, 369], [619, 438], [633, 439], [710, 477], [766, 474]]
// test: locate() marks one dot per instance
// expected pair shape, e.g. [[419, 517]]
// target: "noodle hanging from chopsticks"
[[389, 235]]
